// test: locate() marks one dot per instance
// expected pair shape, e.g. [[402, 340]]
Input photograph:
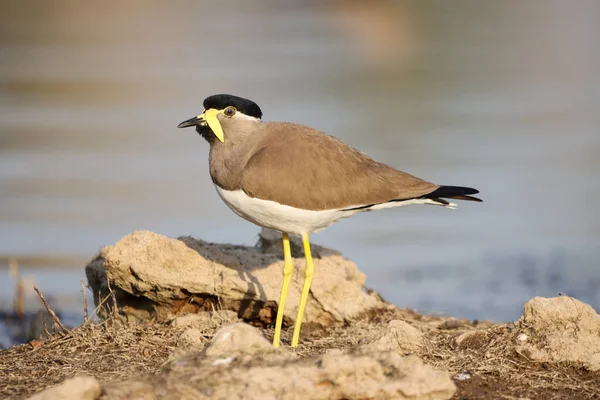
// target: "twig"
[[115, 311], [85, 303], [101, 303], [52, 314], [19, 300], [48, 334], [13, 268]]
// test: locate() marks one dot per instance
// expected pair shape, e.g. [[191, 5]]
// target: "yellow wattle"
[[210, 116]]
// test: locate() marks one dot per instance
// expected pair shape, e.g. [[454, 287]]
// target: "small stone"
[[399, 337], [451, 324], [205, 319], [463, 376], [225, 315], [464, 336], [237, 338], [191, 319], [81, 387], [191, 337], [223, 361], [474, 339], [522, 337]]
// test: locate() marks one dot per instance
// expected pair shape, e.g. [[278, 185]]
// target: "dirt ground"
[[484, 365]]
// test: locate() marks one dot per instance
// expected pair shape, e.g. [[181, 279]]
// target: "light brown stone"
[[237, 338], [78, 388], [191, 337], [204, 319], [154, 276], [560, 329], [468, 336], [399, 337]]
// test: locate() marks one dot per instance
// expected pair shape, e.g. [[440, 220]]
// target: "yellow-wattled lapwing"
[[298, 180]]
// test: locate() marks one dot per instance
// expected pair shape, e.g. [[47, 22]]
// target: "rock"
[[204, 319], [336, 375], [460, 339], [78, 388], [399, 337], [154, 276], [191, 337], [463, 376], [201, 325], [269, 241], [522, 337], [560, 329], [141, 389], [474, 339], [452, 324], [200, 319], [237, 338], [96, 276]]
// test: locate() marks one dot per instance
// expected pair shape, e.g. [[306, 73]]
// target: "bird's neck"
[[227, 161]]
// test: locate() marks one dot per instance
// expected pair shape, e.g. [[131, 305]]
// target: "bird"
[[299, 180]]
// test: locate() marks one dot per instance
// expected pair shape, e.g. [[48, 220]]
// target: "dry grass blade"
[[19, 300], [100, 305], [52, 313], [85, 302], [115, 310]]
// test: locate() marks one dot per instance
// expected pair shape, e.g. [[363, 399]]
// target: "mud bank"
[[194, 320]]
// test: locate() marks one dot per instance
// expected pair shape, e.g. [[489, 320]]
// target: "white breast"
[[270, 214]]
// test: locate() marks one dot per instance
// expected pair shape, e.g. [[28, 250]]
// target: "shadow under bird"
[[298, 180]]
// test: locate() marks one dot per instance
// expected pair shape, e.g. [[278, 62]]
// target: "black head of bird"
[[217, 109]]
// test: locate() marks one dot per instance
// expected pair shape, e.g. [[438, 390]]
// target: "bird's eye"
[[229, 111]]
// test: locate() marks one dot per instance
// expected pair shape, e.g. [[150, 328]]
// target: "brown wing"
[[304, 168]]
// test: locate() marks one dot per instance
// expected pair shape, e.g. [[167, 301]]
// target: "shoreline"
[[183, 316]]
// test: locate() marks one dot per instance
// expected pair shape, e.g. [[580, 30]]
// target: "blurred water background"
[[498, 95]]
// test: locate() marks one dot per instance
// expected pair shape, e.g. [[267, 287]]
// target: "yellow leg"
[[288, 267], [309, 271]]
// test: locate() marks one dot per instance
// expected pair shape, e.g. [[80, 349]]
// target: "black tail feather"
[[448, 192], [453, 192]]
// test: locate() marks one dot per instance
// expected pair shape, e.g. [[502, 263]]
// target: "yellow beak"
[[207, 117]]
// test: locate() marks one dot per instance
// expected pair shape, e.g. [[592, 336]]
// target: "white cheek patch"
[[243, 117]]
